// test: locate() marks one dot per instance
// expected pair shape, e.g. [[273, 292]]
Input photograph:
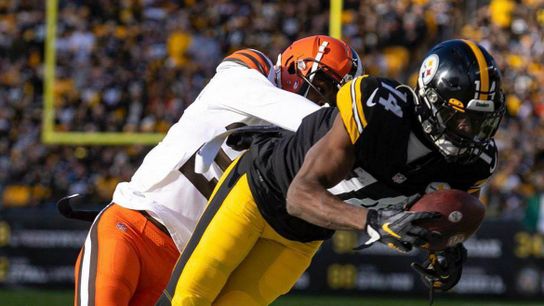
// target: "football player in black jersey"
[[382, 147]]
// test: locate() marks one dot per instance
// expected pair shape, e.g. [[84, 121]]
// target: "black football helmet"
[[460, 103]]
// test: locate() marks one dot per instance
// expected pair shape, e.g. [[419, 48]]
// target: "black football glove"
[[442, 270], [393, 226]]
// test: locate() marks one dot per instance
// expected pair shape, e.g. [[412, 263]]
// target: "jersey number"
[[201, 183], [391, 103]]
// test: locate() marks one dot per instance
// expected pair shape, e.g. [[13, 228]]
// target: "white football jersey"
[[236, 93]]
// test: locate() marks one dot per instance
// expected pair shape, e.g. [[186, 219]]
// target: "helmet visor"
[[471, 125]]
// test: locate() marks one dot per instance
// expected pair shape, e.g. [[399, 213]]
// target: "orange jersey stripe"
[[252, 59]]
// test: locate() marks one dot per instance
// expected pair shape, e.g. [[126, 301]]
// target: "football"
[[461, 215]]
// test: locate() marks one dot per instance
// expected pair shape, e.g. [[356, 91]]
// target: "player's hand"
[[442, 270], [393, 226]]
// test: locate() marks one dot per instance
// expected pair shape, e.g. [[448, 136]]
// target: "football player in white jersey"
[[135, 241]]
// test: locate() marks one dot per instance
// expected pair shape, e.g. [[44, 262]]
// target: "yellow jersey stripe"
[[343, 102], [348, 103], [482, 63], [357, 102]]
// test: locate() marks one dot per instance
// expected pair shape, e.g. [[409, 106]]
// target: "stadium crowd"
[[135, 66]]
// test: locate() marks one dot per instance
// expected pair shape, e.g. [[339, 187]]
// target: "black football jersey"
[[393, 158], [275, 162]]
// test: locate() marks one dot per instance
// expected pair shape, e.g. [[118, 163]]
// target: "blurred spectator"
[[533, 219], [135, 66]]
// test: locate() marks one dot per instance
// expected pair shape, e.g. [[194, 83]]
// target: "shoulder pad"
[[367, 99], [252, 59]]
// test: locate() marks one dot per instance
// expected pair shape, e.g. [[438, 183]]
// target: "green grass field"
[[64, 298], [375, 301]]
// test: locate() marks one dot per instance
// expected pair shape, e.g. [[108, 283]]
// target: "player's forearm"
[[314, 204]]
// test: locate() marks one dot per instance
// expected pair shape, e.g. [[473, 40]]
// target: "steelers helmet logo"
[[428, 68]]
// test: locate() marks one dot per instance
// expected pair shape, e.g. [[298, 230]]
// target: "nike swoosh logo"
[[492, 169], [388, 230], [370, 102]]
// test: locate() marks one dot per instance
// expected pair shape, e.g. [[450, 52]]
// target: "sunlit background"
[[133, 66]]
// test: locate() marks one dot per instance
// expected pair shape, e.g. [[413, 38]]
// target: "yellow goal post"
[[50, 136]]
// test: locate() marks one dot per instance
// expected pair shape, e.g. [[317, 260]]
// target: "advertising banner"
[[40, 249], [504, 261]]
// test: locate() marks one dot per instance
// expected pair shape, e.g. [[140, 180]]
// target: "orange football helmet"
[[330, 58]]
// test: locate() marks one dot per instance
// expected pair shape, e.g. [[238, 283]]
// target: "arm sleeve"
[[252, 94]]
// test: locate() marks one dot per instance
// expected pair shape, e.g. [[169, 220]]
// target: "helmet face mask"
[[456, 114], [460, 136], [321, 89], [306, 65]]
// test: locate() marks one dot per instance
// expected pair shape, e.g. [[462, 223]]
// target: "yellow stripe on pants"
[[240, 259]]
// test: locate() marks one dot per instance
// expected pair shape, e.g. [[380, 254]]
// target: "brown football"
[[461, 215]]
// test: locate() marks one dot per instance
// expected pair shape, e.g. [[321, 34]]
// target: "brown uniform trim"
[[153, 221], [255, 61], [202, 184], [93, 264], [222, 160], [238, 61], [264, 59], [252, 59], [78, 284]]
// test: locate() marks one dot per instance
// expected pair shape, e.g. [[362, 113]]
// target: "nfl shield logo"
[[399, 178]]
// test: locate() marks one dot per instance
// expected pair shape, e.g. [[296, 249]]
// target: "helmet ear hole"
[[291, 69]]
